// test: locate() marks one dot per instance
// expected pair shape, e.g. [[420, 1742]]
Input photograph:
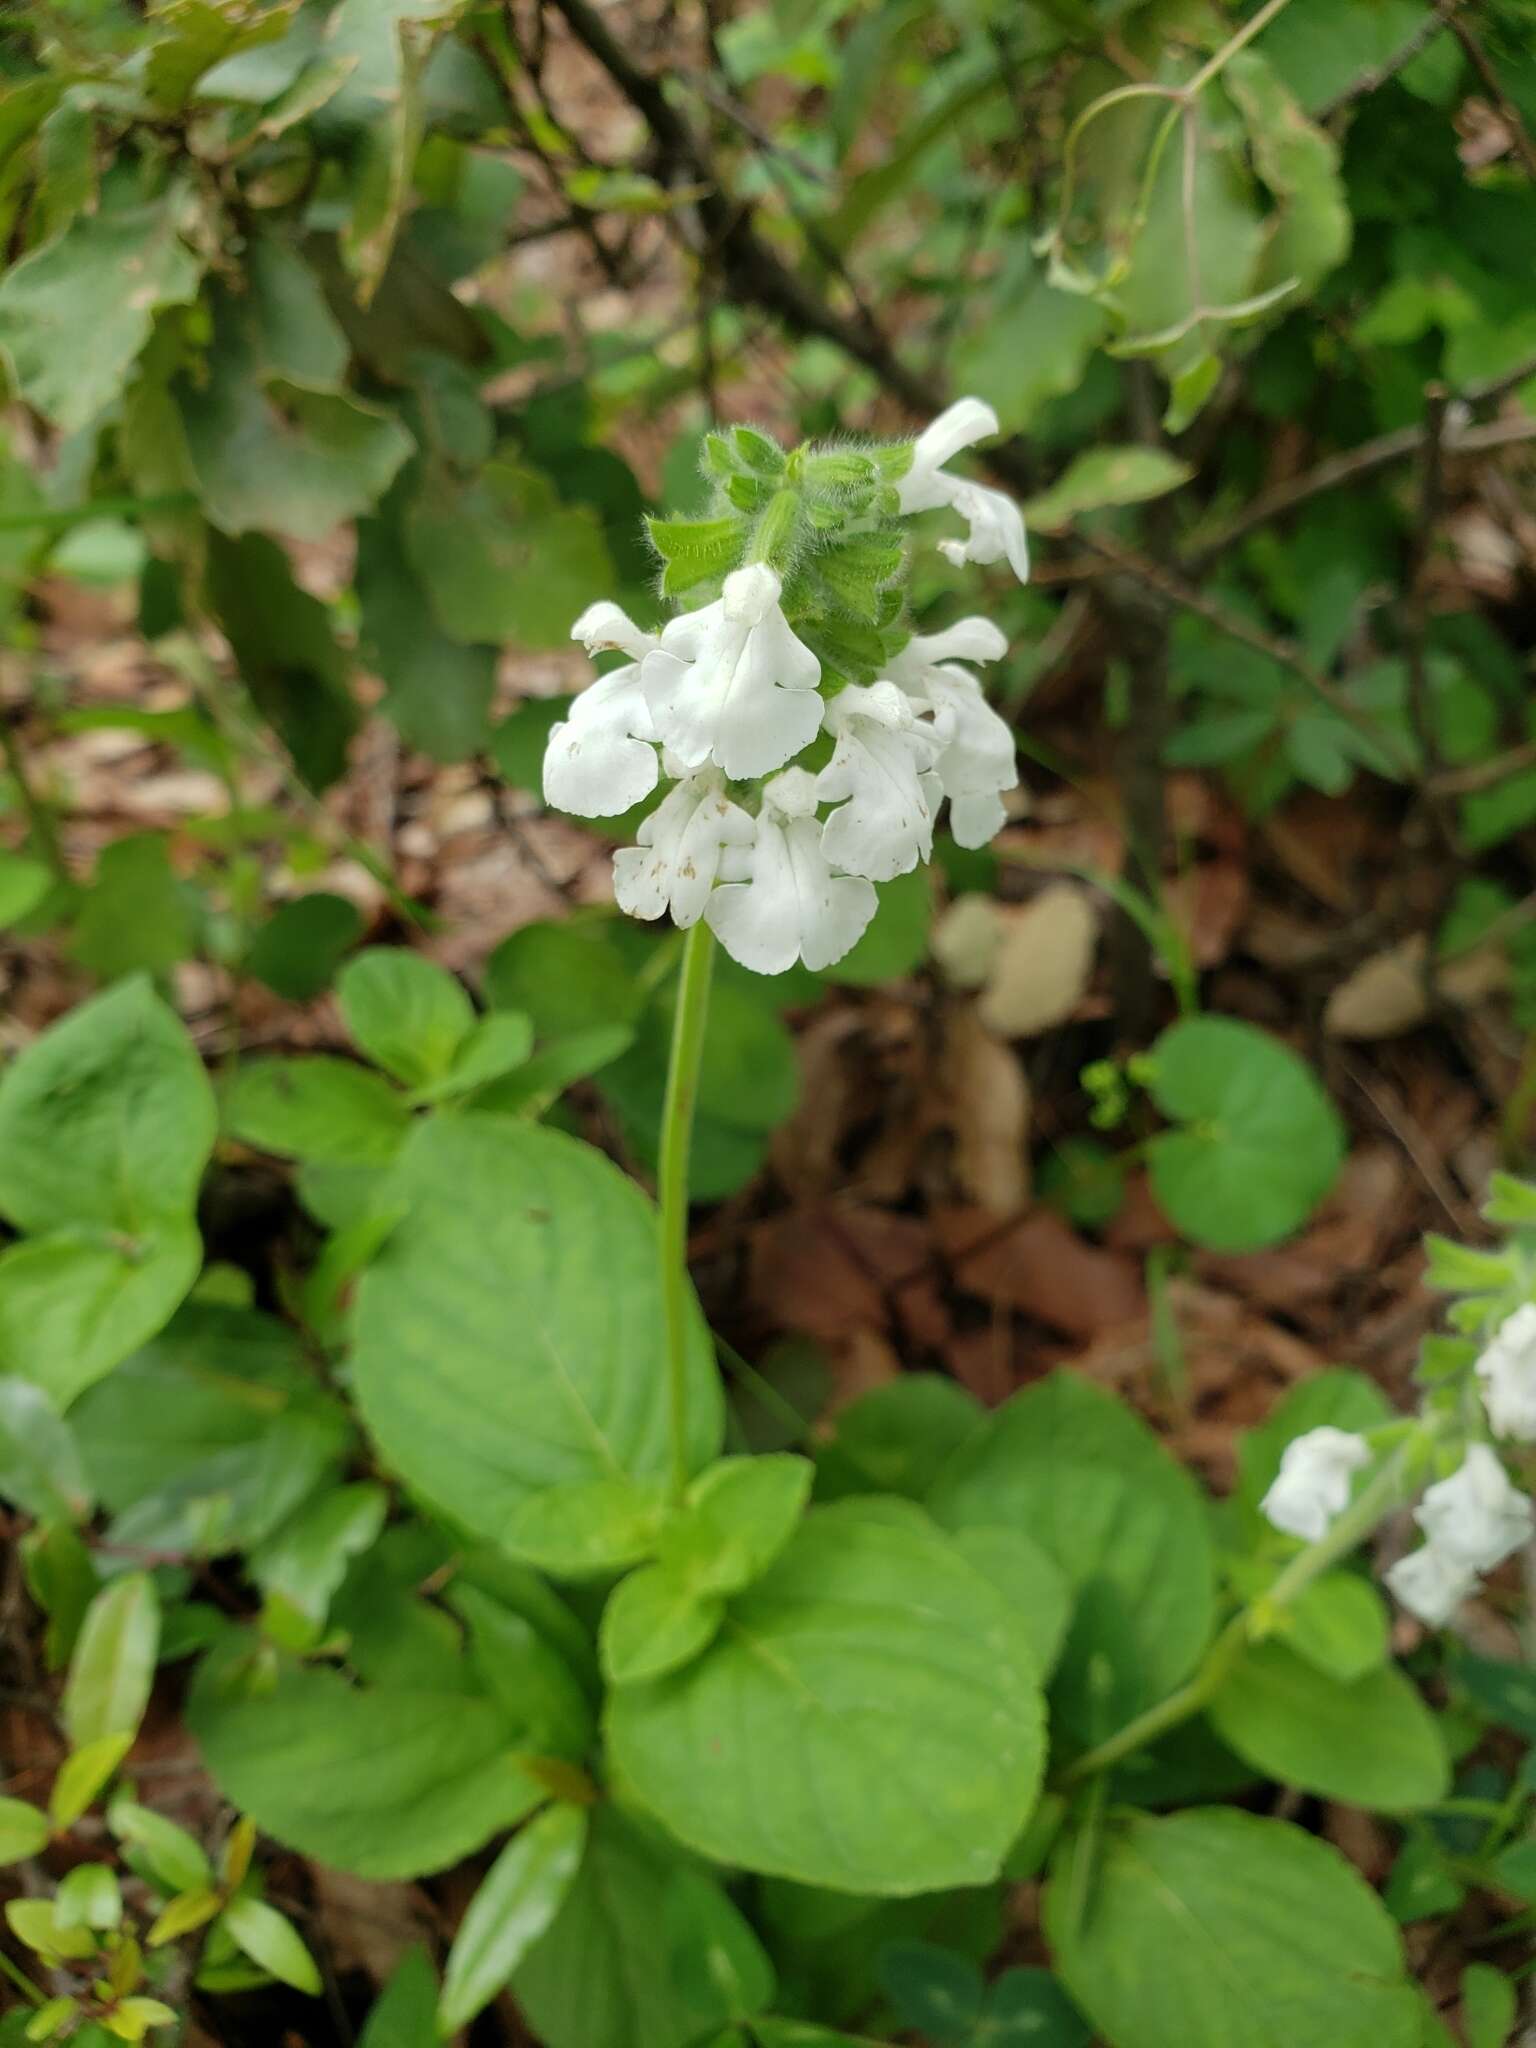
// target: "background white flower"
[[882, 764], [996, 523], [1507, 1371], [977, 759], [793, 907], [599, 760], [1476, 1516], [731, 683], [1431, 1583], [1312, 1485], [675, 865]]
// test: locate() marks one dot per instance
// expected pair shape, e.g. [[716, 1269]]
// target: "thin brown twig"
[[1503, 105], [1351, 464]]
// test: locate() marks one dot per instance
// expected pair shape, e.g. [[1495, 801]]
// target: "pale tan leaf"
[[1042, 965]]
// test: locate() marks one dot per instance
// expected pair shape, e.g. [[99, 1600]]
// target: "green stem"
[[672, 1180], [19, 1978], [40, 826], [1252, 1624]]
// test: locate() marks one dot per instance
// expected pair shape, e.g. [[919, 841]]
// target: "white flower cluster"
[[1471, 1521], [725, 701]]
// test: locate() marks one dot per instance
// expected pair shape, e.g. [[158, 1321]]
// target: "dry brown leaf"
[[1389, 993], [965, 940], [1042, 965], [989, 1112], [1041, 1267]]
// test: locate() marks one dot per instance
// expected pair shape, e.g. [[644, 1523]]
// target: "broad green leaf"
[[607, 1972], [73, 1306], [1064, 328], [82, 1775], [587, 1528], [533, 1086], [113, 1667], [382, 1783], [24, 1831], [738, 1516], [439, 690], [935, 1991], [317, 1107], [213, 1433], [526, 1674], [406, 2013], [75, 313], [509, 1334], [304, 1562], [1506, 1693], [135, 915], [1029, 2009], [297, 951], [286, 650], [1260, 1143], [261, 1933], [1322, 51], [502, 559], [40, 1467], [566, 977], [1214, 1927], [176, 1860], [655, 1621], [897, 1438], [1030, 1579], [1339, 1625], [1076, 1471], [1105, 476], [1372, 1742], [717, 1963], [107, 1118], [406, 1013], [518, 1898], [848, 1743], [194, 35], [1176, 275]]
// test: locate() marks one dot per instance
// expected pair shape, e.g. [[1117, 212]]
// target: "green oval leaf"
[[518, 1898], [1215, 1927], [1261, 1143], [261, 1933], [113, 1666], [1370, 1742], [509, 1334], [833, 1733]]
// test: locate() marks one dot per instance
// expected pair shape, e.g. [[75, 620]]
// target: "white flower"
[[976, 759], [1507, 1370], [1476, 1516], [793, 907], [731, 683], [1312, 1485], [599, 760], [883, 765], [996, 523], [678, 858], [1431, 1583]]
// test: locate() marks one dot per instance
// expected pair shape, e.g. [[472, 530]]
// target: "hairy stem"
[[672, 1180], [1251, 1624]]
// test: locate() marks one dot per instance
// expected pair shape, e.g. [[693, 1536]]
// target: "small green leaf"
[[517, 1899], [176, 1860], [113, 1666], [1371, 1743], [299, 948], [738, 1516], [935, 1991], [82, 1776], [35, 1922], [591, 1527], [23, 885], [406, 1013], [1339, 1625], [23, 1831], [1105, 476], [88, 1896], [497, 1046], [189, 1911], [317, 1108], [1489, 2005], [1260, 1143], [655, 1621], [405, 2015], [261, 1933]]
